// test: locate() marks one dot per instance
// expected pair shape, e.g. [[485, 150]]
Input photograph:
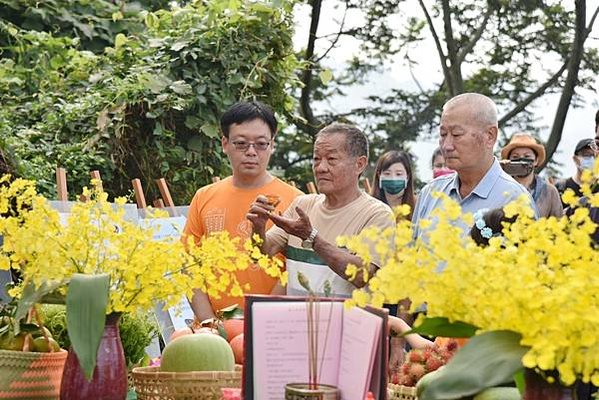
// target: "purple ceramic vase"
[[109, 381], [537, 388]]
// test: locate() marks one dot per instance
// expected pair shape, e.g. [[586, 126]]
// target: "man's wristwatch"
[[309, 241]]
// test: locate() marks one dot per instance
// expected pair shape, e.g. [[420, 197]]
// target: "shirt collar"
[[484, 187]]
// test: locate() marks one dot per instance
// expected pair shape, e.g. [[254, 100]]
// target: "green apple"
[[41, 345], [11, 342], [41, 331]]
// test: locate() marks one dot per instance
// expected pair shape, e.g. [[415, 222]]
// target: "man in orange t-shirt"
[[248, 140]]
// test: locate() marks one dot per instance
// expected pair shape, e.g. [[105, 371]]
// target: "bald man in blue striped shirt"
[[468, 133]]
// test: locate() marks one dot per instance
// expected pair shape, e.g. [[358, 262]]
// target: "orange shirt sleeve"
[[193, 225]]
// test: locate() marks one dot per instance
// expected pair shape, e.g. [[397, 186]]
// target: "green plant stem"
[[64, 248], [133, 296], [316, 340], [129, 257], [326, 338], [310, 344]]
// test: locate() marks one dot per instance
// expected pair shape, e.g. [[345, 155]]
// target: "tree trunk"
[[456, 83], [571, 81], [442, 57], [312, 124]]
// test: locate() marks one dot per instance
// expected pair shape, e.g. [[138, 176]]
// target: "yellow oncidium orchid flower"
[[539, 278]]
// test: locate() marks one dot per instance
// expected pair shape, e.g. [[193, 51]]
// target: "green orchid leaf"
[[441, 326], [32, 295], [520, 382], [487, 360], [87, 298]]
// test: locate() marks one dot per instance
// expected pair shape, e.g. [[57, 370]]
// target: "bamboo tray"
[[152, 384], [400, 392]]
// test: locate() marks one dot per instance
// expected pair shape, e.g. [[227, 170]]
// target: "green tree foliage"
[[147, 107], [515, 51], [94, 22]]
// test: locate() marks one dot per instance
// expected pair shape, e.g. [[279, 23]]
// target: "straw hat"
[[524, 140]]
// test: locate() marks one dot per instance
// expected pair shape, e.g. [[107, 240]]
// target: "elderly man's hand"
[[300, 227], [259, 213]]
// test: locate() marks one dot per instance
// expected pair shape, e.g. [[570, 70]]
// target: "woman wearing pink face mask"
[[438, 164]]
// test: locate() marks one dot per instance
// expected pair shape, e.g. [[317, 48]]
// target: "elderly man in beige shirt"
[[307, 231]]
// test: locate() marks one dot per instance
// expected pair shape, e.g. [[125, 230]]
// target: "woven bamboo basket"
[[152, 384], [31, 375], [400, 392]]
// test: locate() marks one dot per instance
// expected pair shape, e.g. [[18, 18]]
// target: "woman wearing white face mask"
[[393, 182]]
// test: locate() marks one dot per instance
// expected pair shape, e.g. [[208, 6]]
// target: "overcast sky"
[[579, 122]]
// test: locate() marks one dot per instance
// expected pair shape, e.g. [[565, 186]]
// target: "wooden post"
[[164, 192], [96, 175], [61, 184], [140, 199], [158, 203], [367, 185], [311, 188]]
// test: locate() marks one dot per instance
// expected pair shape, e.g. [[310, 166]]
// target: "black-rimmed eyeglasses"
[[242, 145]]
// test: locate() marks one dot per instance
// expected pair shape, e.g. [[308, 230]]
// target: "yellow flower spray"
[[540, 278], [98, 239]]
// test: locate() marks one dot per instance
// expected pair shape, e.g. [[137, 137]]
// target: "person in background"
[[393, 183], [400, 327], [394, 186], [491, 219], [585, 391], [308, 230], [468, 133], [248, 129], [526, 154], [438, 164], [585, 153]]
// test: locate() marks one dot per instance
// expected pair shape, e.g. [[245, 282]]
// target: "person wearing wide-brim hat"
[[529, 154]]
